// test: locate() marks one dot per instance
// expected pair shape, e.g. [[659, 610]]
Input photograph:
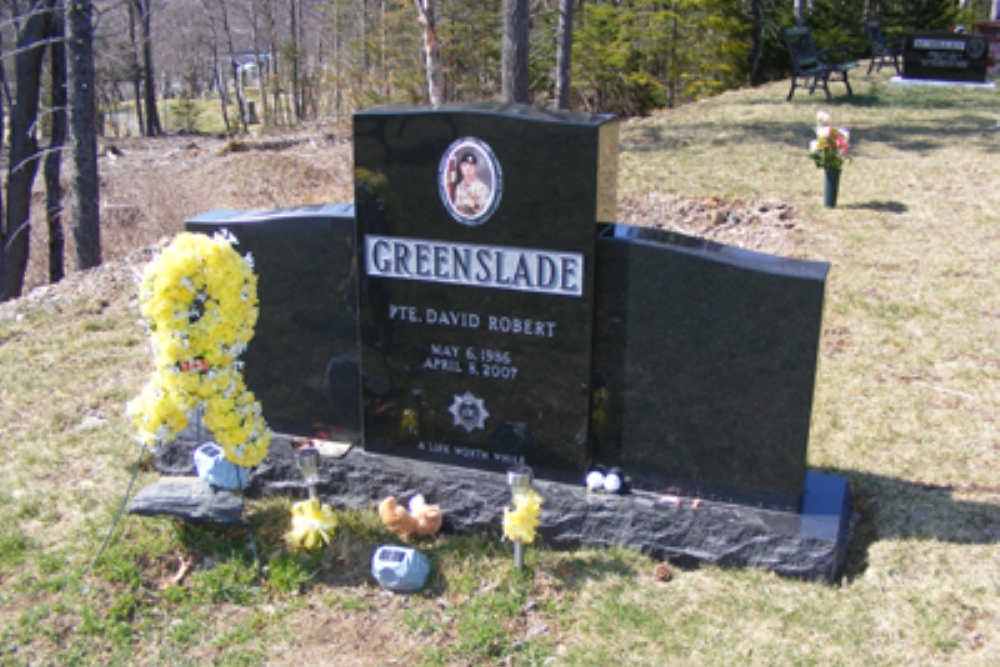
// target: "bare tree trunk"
[[432, 51], [237, 82], [5, 92], [258, 61], [337, 65], [220, 85], [564, 53], [514, 57], [220, 82], [135, 66], [756, 39], [4, 102], [53, 160], [23, 149], [672, 71], [296, 45], [275, 64], [82, 115], [153, 126]]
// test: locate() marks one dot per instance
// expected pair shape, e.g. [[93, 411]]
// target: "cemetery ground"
[[906, 408]]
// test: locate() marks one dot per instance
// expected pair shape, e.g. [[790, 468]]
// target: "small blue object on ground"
[[213, 467], [400, 569]]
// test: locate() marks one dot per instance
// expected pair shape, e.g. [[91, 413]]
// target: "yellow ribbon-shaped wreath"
[[198, 298]]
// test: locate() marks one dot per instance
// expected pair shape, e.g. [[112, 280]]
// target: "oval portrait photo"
[[470, 181]]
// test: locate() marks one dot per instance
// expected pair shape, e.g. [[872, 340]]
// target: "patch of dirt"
[[149, 187], [770, 225], [338, 637]]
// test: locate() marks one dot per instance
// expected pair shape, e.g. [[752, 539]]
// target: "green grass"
[[906, 408]]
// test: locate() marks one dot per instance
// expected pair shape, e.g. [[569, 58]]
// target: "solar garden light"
[[519, 479], [307, 459]]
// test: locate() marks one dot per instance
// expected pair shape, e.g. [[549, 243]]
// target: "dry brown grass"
[[153, 186]]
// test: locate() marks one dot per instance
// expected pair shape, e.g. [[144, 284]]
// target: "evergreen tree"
[[839, 23], [915, 15]]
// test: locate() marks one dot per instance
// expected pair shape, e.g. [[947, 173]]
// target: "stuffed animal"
[[421, 519], [397, 519], [428, 516]]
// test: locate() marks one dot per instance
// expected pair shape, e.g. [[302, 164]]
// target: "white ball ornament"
[[595, 480], [612, 483]]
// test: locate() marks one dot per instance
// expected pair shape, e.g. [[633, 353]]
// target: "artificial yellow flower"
[[520, 524], [199, 301], [312, 524]]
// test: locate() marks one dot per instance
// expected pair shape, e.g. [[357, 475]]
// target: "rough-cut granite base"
[[192, 500], [811, 544]]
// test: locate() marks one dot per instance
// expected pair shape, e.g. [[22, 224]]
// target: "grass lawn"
[[907, 402]]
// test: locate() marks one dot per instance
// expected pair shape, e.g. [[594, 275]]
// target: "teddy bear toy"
[[420, 519]]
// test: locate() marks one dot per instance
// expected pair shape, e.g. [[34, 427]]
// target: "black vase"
[[831, 187]]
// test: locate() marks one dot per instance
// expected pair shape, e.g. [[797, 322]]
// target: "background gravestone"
[[705, 358], [946, 57], [476, 318], [302, 361]]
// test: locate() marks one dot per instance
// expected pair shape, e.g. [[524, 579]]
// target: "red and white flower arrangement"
[[830, 148]]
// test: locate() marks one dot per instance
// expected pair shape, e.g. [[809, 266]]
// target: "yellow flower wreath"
[[198, 298]]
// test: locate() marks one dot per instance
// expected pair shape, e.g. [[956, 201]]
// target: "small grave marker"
[[946, 57]]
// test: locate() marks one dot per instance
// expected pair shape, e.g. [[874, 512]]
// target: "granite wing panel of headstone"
[[705, 365], [302, 363]]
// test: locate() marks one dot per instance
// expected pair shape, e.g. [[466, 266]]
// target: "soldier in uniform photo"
[[471, 194]]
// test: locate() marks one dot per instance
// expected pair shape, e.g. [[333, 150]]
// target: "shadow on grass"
[[918, 138], [896, 509], [880, 206], [965, 119]]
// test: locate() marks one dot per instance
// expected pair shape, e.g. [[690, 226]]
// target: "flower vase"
[[831, 187]]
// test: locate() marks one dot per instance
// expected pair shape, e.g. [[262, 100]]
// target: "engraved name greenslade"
[[496, 267], [949, 44]]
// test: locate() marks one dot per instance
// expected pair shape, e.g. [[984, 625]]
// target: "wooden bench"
[[884, 51], [812, 67]]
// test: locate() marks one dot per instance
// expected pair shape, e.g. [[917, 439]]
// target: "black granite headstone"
[[946, 57], [302, 363], [476, 255], [705, 362]]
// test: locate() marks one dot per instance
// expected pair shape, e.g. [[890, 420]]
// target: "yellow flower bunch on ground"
[[313, 524], [198, 298], [520, 524]]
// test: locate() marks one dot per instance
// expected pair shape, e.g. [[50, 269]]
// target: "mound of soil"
[[150, 186]]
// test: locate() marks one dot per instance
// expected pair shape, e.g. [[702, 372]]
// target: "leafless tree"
[[153, 126], [237, 78], [57, 141], [432, 51], [564, 52], [82, 120], [32, 32], [515, 83]]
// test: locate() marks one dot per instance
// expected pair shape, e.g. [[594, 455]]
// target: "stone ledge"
[[191, 500], [811, 544]]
